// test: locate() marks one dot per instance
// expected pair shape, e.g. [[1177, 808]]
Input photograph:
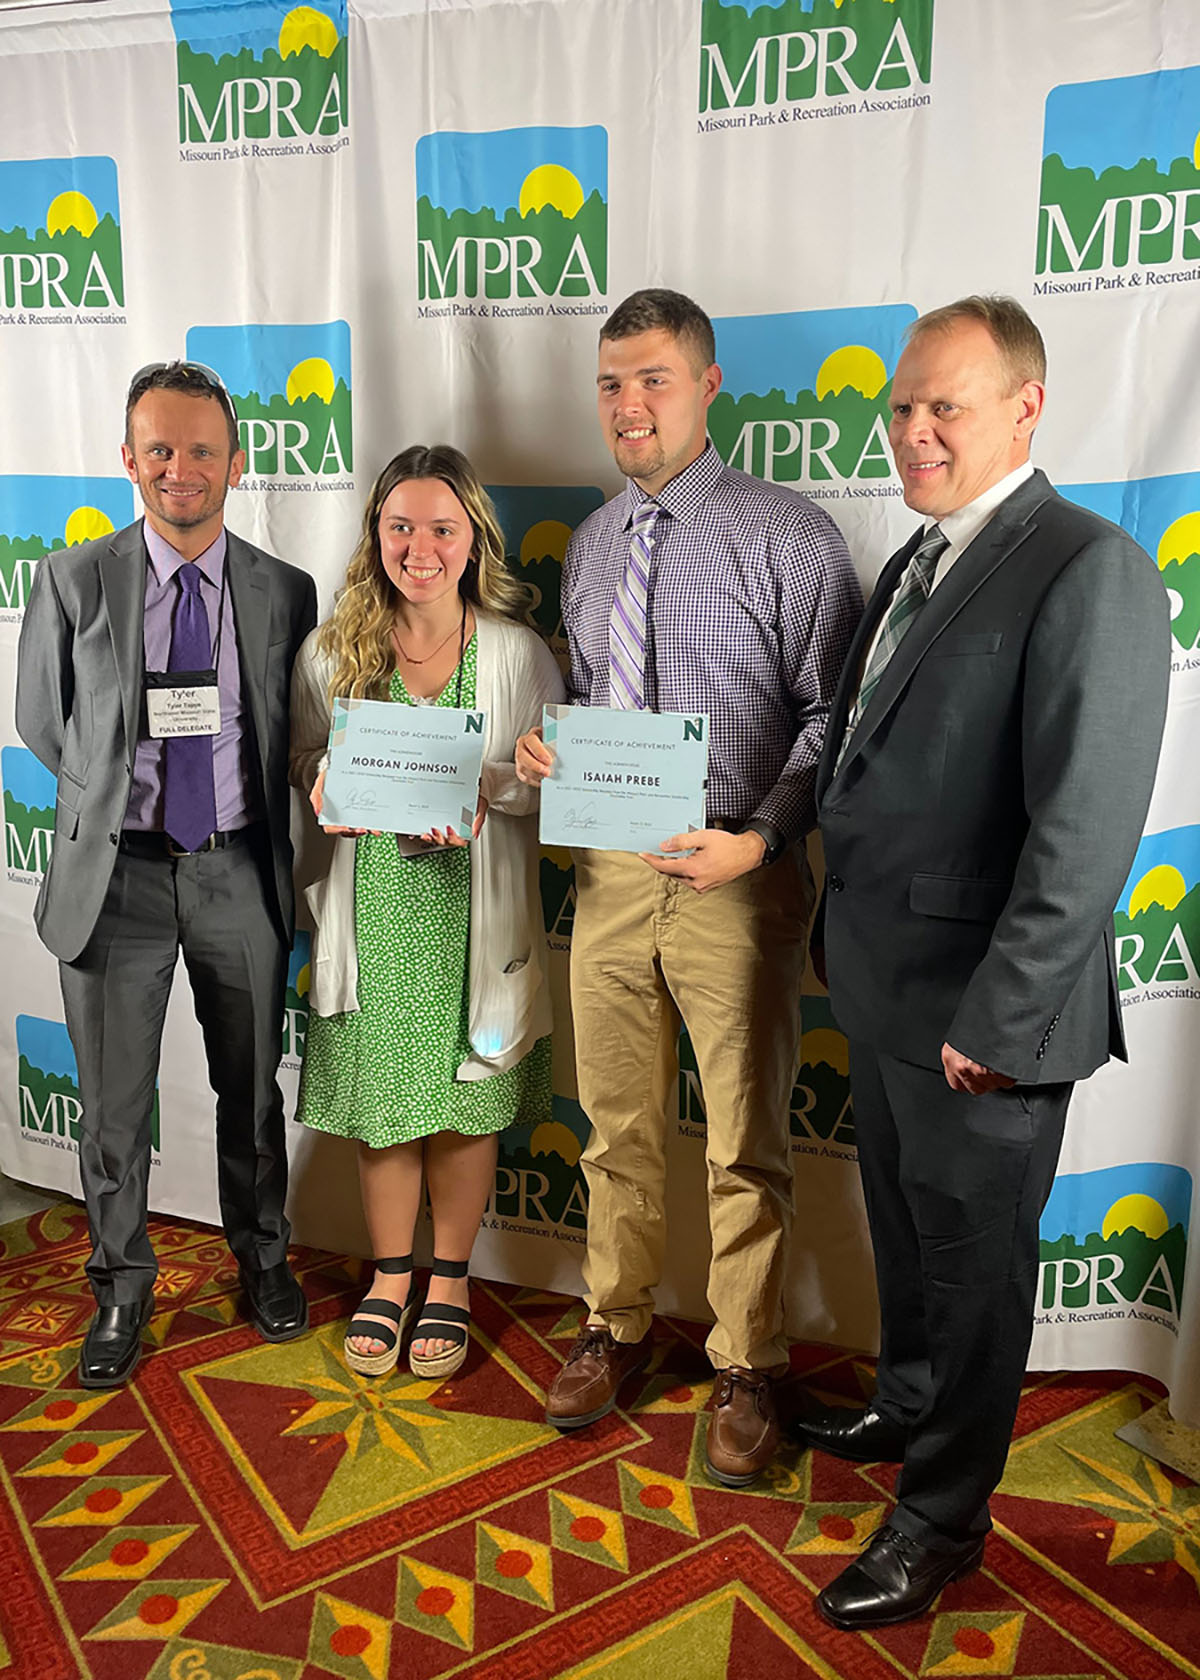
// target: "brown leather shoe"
[[743, 1429], [586, 1387]]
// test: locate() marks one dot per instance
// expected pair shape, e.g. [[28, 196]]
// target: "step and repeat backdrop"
[[394, 222]]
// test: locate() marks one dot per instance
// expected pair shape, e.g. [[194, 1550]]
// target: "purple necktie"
[[627, 621], [189, 802]]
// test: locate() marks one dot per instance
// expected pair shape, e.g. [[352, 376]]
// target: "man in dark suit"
[[984, 782], [153, 676]]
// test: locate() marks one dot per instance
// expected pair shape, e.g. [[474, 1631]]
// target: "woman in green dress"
[[429, 1010]]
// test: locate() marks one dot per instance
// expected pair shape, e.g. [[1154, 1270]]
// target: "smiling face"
[[179, 458], [958, 424], [425, 539], [653, 405]]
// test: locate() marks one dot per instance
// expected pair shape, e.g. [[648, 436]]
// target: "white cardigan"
[[509, 1001]]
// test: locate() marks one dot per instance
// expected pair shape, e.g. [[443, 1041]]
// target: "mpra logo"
[[48, 1086], [539, 1185], [60, 246], [1114, 1245], [1120, 197], [557, 879], [782, 53], [295, 1004], [822, 1114], [291, 388], [29, 795], [537, 521], [38, 515], [261, 72], [519, 214], [805, 397], [1163, 514], [1157, 919]]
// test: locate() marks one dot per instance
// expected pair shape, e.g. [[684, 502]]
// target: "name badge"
[[182, 703]]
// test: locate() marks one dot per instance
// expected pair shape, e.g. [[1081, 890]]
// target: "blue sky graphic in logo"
[[1094, 125], [26, 779], [1163, 514], [508, 169], [60, 235], [41, 513], [228, 27]]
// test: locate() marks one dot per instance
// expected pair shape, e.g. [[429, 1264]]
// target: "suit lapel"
[[251, 619], [1004, 532], [123, 584]]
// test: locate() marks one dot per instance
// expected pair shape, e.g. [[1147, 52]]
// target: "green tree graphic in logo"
[[805, 395], [39, 514], [29, 796], [60, 246], [788, 51], [48, 1100], [1116, 1240], [822, 1112], [1120, 175], [295, 1002], [521, 213], [1157, 920], [539, 1181], [537, 521], [291, 388], [278, 73]]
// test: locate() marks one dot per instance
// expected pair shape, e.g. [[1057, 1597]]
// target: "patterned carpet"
[[254, 1512]]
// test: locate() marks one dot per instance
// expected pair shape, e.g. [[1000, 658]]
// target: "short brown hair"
[[194, 380], [656, 309], [1017, 337]]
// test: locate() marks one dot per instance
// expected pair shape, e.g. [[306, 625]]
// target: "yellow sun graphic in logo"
[[852, 365], [72, 210], [1135, 1213], [1162, 885], [303, 980], [547, 537], [822, 1044], [551, 184], [304, 26], [1181, 539], [85, 524], [311, 378], [553, 1138]]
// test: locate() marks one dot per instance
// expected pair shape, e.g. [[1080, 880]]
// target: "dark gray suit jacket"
[[982, 824], [80, 666]]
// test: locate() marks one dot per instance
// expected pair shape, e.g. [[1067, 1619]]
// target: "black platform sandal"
[[378, 1364], [443, 1324]]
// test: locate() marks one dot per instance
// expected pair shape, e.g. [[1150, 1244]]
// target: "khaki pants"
[[647, 952]]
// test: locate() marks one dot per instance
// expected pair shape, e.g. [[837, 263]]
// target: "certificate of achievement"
[[622, 781], [402, 769]]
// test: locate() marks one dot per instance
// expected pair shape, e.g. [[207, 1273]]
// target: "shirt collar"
[[684, 495], [165, 561], [965, 523]]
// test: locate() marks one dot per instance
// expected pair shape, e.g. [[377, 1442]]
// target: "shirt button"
[[836, 884], [112, 840]]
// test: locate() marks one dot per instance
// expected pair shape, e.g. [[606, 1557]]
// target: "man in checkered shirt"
[[751, 604]]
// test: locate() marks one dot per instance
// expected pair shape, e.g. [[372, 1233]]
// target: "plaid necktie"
[[189, 799], [910, 597], [627, 621]]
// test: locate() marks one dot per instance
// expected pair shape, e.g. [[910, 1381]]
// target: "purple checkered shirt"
[[752, 604]]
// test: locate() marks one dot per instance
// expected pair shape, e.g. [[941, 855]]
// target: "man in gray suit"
[[152, 679], [984, 782]]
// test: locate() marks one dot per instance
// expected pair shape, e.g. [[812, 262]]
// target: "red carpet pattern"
[[246, 1511]]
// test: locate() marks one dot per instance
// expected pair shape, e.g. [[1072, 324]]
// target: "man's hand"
[[962, 1074], [534, 758], [716, 857]]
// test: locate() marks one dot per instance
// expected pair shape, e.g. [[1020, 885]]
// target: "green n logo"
[[693, 729], [474, 723]]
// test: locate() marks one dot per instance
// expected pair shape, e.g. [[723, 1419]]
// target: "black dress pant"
[[212, 906], [954, 1186]]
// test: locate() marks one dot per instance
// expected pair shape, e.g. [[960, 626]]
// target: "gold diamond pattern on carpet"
[[347, 1640], [53, 1413], [435, 1602], [128, 1555], [834, 1530], [82, 1455], [514, 1564], [158, 1610], [973, 1643], [101, 1503], [588, 1531], [657, 1498]]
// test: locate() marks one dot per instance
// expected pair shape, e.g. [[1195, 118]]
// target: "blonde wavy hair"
[[358, 634]]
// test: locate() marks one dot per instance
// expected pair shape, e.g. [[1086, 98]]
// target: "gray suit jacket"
[[80, 666], [982, 824]]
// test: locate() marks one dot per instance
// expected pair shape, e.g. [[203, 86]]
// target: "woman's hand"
[[317, 798], [450, 837]]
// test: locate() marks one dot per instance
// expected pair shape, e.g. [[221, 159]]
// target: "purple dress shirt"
[[231, 748]]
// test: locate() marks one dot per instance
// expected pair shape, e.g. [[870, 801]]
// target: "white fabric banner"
[[396, 223]]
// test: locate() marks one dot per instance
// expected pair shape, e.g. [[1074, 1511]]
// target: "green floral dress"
[[385, 1074]]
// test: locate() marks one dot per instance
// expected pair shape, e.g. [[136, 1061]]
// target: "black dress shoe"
[[848, 1432], [895, 1579], [278, 1309], [113, 1344]]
